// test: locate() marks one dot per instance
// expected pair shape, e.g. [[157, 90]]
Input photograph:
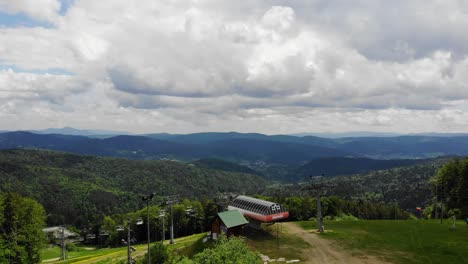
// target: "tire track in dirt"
[[323, 251]]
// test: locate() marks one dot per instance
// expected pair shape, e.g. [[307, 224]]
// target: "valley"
[[92, 184]]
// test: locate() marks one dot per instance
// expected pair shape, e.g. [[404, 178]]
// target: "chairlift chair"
[[139, 221]]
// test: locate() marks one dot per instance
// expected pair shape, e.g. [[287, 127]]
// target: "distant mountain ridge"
[[241, 148], [73, 131], [140, 147]]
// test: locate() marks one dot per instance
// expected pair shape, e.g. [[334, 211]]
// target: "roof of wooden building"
[[232, 218]]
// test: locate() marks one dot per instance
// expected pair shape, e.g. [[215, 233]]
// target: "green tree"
[[228, 251], [21, 224], [159, 254], [452, 185], [109, 226]]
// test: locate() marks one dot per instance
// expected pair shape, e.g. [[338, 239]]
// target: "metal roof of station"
[[254, 200], [232, 218], [256, 205]]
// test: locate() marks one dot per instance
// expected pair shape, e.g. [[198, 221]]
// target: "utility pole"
[[162, 214], [319, 213], [318, 188], [147, 199], [436, 202], [192, 214], [277, 234], [129, 247], [148, 228], [172, 226], [441, 212], [171, 200], [64, 254], [129, 256]]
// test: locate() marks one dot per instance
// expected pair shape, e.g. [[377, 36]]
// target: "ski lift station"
[[259, 210]]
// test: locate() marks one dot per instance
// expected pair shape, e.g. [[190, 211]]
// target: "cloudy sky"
[[263, 66]]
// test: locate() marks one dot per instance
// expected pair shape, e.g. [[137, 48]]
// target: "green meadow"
[[184, 246], [405, 241], [275, 242], [411, 241]]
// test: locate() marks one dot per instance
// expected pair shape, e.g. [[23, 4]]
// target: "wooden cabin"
[[230, 223]]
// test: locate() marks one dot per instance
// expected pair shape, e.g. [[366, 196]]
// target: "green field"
[[183, 245], [401, 241], [396, 241], [275, 242]]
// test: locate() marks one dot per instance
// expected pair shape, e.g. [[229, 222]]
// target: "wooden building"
[[230, 223]]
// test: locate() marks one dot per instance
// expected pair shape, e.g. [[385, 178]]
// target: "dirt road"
[[324, 251]]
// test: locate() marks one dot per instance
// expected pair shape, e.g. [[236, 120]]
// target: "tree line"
[[21, 223], [186, 222], [80, 190], [450, 189]]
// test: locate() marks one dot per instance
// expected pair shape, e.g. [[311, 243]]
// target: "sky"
[[267, 66]]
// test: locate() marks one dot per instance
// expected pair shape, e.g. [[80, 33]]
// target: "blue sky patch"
[[52, 71], [21, 20], [66, 4]]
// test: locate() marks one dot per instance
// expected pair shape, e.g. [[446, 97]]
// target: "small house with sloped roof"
[[55, 233], [230, 223]]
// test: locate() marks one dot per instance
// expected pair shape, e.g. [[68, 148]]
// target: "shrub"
[[346, 217], [71, 247], [228, 251], [159, 254]]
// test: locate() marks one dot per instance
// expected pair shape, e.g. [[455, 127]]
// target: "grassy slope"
[[266, 242], [112, 255], [78, 190], [401, 241]]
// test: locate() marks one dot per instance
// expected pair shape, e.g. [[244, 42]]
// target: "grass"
[[184, 245], [50, 252], [266, 242], [401, 241]]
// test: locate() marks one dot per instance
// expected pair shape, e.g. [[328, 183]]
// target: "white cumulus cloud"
[[267, 66]]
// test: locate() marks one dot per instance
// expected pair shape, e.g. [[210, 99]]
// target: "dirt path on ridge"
[[323, 251]]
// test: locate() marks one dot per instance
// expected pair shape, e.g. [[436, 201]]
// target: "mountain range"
[[241, 146], [277, 157]]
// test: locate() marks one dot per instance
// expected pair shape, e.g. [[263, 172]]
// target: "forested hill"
[[222, 165], [78, 189], [240, 147], [141, 147], [408, 187], [347, 166]]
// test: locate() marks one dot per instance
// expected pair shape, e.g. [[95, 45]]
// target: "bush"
[[159, 254], [72, 247], [346, 217], [412, 217], [455, 212], [180, 260], [228, 251]]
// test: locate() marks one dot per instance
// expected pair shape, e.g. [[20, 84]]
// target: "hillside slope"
[[408, 187], [78, 189], [337, 166]]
